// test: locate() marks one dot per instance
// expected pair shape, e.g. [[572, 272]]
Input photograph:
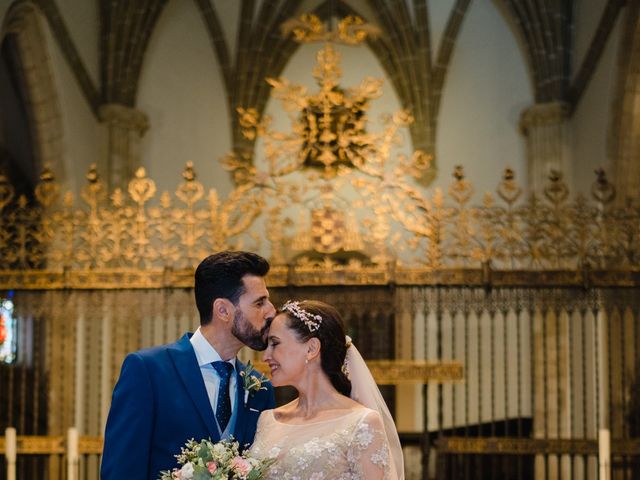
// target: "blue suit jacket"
[[159, 403]]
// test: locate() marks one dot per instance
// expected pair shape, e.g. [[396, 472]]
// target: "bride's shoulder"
[[366, 413], [266, 416], [356, 407], [282, 410]]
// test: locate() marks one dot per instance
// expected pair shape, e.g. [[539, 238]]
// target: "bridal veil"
[[365, 391]]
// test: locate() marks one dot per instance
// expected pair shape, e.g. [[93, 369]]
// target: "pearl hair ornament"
[[310, 320]]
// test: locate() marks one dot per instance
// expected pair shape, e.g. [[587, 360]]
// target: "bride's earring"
[[306, 360]]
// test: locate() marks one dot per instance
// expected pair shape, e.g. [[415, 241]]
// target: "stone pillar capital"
[[543, 114], [121, 116], [124, 128], [545, 128]]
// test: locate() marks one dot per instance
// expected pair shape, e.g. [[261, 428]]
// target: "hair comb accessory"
[[345, 364], [311, 321]]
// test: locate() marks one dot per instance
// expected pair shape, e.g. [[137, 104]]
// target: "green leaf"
[[202, 475]]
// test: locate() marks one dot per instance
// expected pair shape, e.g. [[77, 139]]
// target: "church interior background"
[[458, 177]]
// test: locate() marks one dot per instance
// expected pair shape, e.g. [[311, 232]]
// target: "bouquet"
[[206, 460]]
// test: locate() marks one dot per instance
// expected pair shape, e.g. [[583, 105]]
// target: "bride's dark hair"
[[332, 340]]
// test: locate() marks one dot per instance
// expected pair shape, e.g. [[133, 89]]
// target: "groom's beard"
[[248, 334]]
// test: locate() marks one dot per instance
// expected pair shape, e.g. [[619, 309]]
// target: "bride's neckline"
[[315, 422]]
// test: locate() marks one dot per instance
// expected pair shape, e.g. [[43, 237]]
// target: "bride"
[[339, 427]]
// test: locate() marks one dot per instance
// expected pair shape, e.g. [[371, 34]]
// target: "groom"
[[193, 388]]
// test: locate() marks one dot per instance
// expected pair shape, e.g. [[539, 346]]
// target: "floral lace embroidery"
[[381, 457], [348, 448]]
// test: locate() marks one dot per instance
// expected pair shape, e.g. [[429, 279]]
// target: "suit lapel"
[[184, 359]]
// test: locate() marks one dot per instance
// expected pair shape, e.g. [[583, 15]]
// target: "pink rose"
[[176, 474], [241, 466], [212, 467]]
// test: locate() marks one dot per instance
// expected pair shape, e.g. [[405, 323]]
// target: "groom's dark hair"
[[220, 276]]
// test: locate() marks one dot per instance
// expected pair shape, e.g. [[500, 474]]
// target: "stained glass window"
[[8, 340]]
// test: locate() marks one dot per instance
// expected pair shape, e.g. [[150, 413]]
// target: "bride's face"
[[285, 353]]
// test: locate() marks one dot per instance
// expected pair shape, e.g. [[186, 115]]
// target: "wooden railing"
[[71, 446]]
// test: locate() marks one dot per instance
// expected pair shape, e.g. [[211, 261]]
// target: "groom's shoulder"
[[160, 351]]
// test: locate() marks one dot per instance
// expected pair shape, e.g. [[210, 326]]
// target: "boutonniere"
[[252, 381]]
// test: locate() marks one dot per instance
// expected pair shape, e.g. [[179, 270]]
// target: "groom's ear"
[[222, 309]]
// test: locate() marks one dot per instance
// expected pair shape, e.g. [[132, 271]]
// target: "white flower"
[[186, 472], [219, 449], [364, 438], [314, 447], [274, 452]]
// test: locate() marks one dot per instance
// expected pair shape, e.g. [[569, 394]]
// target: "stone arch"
[[624, 145], [22, 36]]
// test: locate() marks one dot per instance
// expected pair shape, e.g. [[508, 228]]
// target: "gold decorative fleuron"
[[329, 128], [352, 30], [342, 178]]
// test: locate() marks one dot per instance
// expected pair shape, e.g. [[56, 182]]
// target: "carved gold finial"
[[92, 174], [508, 174], [190, 191], [141, 188], [7, 191], [460, 190], [508, 189], [556, 190], [94, 192], [46, 191], [602, 190], [189, 173], [47, 175]]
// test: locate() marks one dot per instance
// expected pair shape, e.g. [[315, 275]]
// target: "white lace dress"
[[350, 447]]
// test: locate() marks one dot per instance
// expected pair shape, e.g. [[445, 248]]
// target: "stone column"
[[125, 126], [545, 127]]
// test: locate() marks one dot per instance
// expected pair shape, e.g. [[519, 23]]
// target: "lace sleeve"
[[369, 449]]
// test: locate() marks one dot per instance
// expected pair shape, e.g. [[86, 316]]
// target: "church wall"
[[439, 11], [82, 20], [230, 11], [587, 14], [486, 88], [478, 121], [80, 128], [4, 6], [592, 120], [182, 92]]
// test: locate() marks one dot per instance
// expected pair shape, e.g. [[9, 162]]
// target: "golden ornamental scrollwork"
[[139, 235], [125, 230], [330, 201], [348, 189]]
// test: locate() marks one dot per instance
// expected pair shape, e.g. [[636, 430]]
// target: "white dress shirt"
[[205, 354]]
